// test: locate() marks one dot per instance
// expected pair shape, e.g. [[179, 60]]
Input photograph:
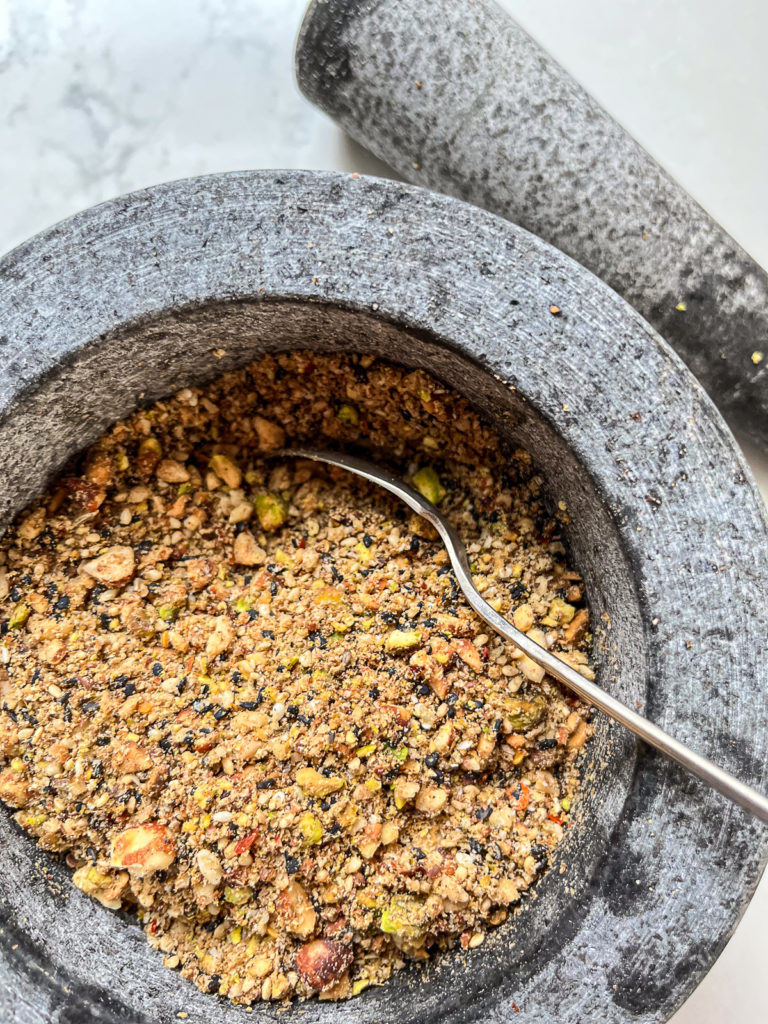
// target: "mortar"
[[173, 286]]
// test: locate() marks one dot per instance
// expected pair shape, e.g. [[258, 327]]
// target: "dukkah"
[[244, 695]]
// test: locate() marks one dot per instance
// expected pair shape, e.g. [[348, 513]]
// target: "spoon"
[[731, 787]]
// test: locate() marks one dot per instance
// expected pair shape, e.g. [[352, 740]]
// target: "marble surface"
[[99, 99]]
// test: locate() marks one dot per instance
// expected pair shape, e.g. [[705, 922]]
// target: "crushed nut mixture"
[[245, 696]]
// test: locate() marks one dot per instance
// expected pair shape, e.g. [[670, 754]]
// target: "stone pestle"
[[454, 95]]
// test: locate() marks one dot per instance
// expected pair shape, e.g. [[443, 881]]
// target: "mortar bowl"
[[144, 295]]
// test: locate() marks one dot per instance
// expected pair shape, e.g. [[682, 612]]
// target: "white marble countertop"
[[98, 99]]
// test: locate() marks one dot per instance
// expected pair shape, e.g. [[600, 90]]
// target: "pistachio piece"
[[402, 639], [348, 414], [406, 918], [522, 714], [271, 510], [427, 483], [105, 886], [226, 470], [311, 828], [19, 616], [560, 613], [315, 784]]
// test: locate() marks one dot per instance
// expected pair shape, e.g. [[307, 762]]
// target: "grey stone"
[[454, 95], [151, 292]]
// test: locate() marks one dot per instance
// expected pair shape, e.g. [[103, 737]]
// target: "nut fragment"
[[431, 801], [315, 784], [469, 654], [143, 849], [271, 510], [322, 962], [221, 637], [402, 640], [405, 791], [295, 910], [427, 482], [105, 886], [271, 436], [209, 866], [115, 566], [171, 471], [576, 628], [226, 470], [246, 551]]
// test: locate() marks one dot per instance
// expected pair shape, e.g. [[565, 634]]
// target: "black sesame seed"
[[103, 741], [431, 760], [291, 864], [236, 677], [62, 604], [547, 744], [268, 634], [265, 784], [157, 669], [367, 539], [220, 713]]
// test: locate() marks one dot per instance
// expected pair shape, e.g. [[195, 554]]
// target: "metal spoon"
[[717, 778]]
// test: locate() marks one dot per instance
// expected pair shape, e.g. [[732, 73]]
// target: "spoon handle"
[[719, 779]]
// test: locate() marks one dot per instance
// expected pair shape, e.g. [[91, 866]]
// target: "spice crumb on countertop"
[[245, 697]]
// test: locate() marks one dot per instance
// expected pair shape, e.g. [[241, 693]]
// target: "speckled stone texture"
[[137, 298], [454, 95]]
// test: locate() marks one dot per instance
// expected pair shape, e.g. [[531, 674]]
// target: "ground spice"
[[245, 696]]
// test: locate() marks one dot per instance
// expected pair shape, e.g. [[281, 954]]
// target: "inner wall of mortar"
[[143, 362]]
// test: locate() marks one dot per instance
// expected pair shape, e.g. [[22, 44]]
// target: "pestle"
[[454, 95]]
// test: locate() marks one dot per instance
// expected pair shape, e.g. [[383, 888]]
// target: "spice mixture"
[[244, 694]]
